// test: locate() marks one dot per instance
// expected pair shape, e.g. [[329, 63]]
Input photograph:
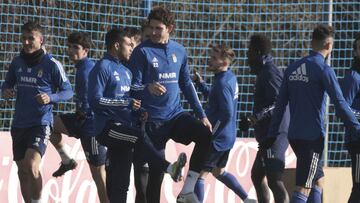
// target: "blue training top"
[[109, 92], [83, 68], [222, 108], [304, 85], [267, 86], [166, 64], [48, 76], [350, 86]]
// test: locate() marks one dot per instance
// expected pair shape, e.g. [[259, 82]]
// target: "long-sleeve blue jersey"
[[304, 87], [267, 86], [83, 69], [109, 92], [350, 86], [46, 77], [166, 64], [221, 109]]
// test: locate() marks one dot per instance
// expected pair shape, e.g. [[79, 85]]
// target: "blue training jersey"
[[350, 86], [304, 87], [166, 64], [48, 76], [222, 108], [83, 69], [267, 86], [109, 92]]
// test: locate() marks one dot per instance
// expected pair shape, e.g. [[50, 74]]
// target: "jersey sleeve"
[[203, 88], [188, 89], [138, 64], [10, 78], [342, 108], [82, 89], [98, 79], [63, 90]]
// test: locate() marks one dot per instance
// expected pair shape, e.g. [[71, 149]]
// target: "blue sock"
[[298, 197], [315, 195], [230, 181], [199, 189]]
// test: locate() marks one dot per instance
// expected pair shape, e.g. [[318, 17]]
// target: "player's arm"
[[350, 87], [7, 88], [272, 83], [97, 83], [201, 84], [224, 98], [82, 86], [138, 64], [341, 106], [61, 83]]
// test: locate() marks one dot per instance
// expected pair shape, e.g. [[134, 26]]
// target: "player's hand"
[[136, 104], [42, 98], [156, 88], [80, 116], [8, 93], [144, 116], [207, 123], [246, 122], [197, 77]]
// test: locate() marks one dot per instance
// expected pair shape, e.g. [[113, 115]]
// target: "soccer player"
[[351, 89], [270, 163], [160, 71], [40, 82], [221, 111], [81, 123], [304, 86], [109, 97]]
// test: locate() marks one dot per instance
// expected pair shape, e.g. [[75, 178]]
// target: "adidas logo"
[[299, 74], [154, 60]]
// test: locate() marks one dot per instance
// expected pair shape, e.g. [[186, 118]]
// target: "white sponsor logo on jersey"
[[299, 74], [125, 88], [28, 79], [167, 75]]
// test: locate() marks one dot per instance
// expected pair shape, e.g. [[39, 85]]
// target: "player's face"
[[160, 33], [31, 41], [357, 49], [76, 52], [216, 62], [126, 48]]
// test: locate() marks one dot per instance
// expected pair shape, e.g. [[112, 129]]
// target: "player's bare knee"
[[217, 171], [320, 182]]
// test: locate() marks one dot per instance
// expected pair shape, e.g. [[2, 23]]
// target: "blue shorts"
[[77, 128], [84, 129], [36, 137], [216, 159], [309, 166], [95, 153]]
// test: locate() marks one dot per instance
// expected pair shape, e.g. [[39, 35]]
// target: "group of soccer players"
[[128, 107]]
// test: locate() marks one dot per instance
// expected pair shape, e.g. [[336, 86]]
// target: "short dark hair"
[[223, 51], [81, 38], [143, 25], [32, 26], [322, 32], [163, 15], [357, 38], [116, 35], [261, 44]]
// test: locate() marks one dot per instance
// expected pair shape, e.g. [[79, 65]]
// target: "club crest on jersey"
[[117, 76], [29, 70], [174, 58], [155, 62], [40, 73]]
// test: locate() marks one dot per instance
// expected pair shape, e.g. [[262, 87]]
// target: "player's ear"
[[170, 28]]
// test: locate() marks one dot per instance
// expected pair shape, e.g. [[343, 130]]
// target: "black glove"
[[80, 116], [267, 143], [244, 123]]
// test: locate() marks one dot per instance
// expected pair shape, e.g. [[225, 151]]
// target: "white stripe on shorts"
[[312, 170]]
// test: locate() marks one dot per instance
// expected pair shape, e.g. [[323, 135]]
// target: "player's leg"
[[258, 179], [274, 160], [187, 129], [62, 124], [199, 189], [96, 157], [355, 172], [227, 178], [141, 175], [308, 168]]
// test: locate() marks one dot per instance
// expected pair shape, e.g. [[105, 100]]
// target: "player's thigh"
[[68, 124], [19, 143], [95, 153]]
